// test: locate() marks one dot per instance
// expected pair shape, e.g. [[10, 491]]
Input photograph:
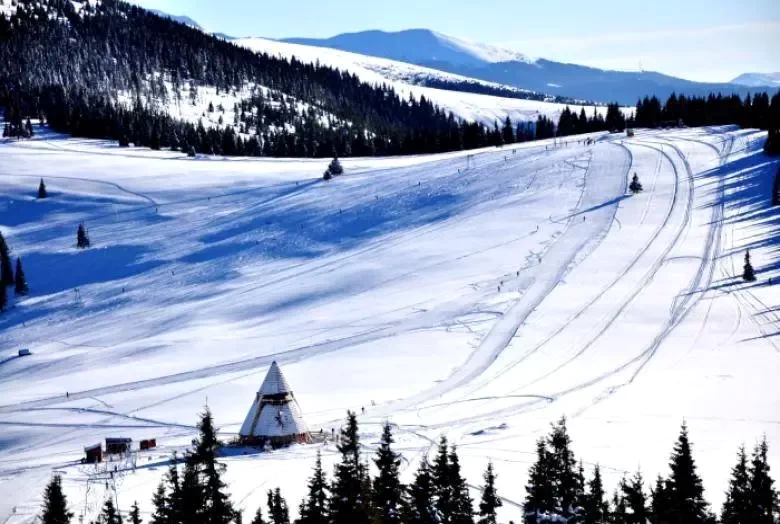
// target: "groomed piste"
[[479, 295]]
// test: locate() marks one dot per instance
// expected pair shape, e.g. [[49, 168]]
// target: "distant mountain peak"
[[416, 46], [758, 79]]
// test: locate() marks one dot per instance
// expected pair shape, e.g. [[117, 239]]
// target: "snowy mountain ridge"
[[416, 46], [495, 64], [758, 79]]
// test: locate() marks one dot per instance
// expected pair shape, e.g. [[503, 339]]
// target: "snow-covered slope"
[[416, 46], [496, 64], [478, 295], [758, 79], [403, 76]]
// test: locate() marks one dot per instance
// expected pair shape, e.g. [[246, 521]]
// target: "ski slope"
[[477, 295]]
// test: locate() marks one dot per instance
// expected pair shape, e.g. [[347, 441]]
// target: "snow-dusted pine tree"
[[748, 275]]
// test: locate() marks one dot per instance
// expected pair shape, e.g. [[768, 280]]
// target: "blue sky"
[[708, 40]]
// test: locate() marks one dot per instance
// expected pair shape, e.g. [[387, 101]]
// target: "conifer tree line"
[[758, 111], [571, 123], [193, 492]]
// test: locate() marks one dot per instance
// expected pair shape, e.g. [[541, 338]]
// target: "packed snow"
[[477, 295]]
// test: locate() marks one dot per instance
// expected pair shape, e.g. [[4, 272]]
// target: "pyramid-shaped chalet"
[[275, 417]]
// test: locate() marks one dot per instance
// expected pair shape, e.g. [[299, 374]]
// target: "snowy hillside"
[[508, 67], [477, 295], [758, 79], [416, 46], [403, 77]]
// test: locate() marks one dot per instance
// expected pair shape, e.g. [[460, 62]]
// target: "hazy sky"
[[707, 40]]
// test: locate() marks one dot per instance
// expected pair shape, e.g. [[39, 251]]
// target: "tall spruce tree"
[[737, 506], [596, 509], [349, 501], [20, 282], [567, 482], [160, 504], [539, 498], [42, 193], [135, 514], [6, 269], [444, 501], [172, 504], [314, 509], [82, 239], [278, 512], [420, 496], [763, 497], [463, 507], [686, 493], [489, 502], [387, 488], [217, 506], [190, 506], [109, 514], [55, 504]]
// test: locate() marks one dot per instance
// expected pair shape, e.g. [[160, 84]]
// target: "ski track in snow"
[[524, 355]]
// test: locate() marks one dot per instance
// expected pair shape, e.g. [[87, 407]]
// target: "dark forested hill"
[[69, 61]]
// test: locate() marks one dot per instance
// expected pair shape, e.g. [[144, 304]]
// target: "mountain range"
[[485, 62]]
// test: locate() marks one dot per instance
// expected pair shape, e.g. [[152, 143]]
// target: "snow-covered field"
[[477, 297], [403, 77]]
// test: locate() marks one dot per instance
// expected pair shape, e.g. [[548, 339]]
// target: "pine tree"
[[314, 510], [259, 517], [387, 489], [170, 507], [635, 186], [763, 497], [748, 275], [419, 504], [661, 506], [55, 504], [109, 515], [135, 514], [539, 489], [6, 269], [596, 508], [444, 497], [277, 508], [349, 502], [632, 501], [685, 488], [191, 504], [567, 484], [160, 503], [82, 239], [20, 286], [218, 508], [490, 501], [463, 509], [737, 507], [42, 190]]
